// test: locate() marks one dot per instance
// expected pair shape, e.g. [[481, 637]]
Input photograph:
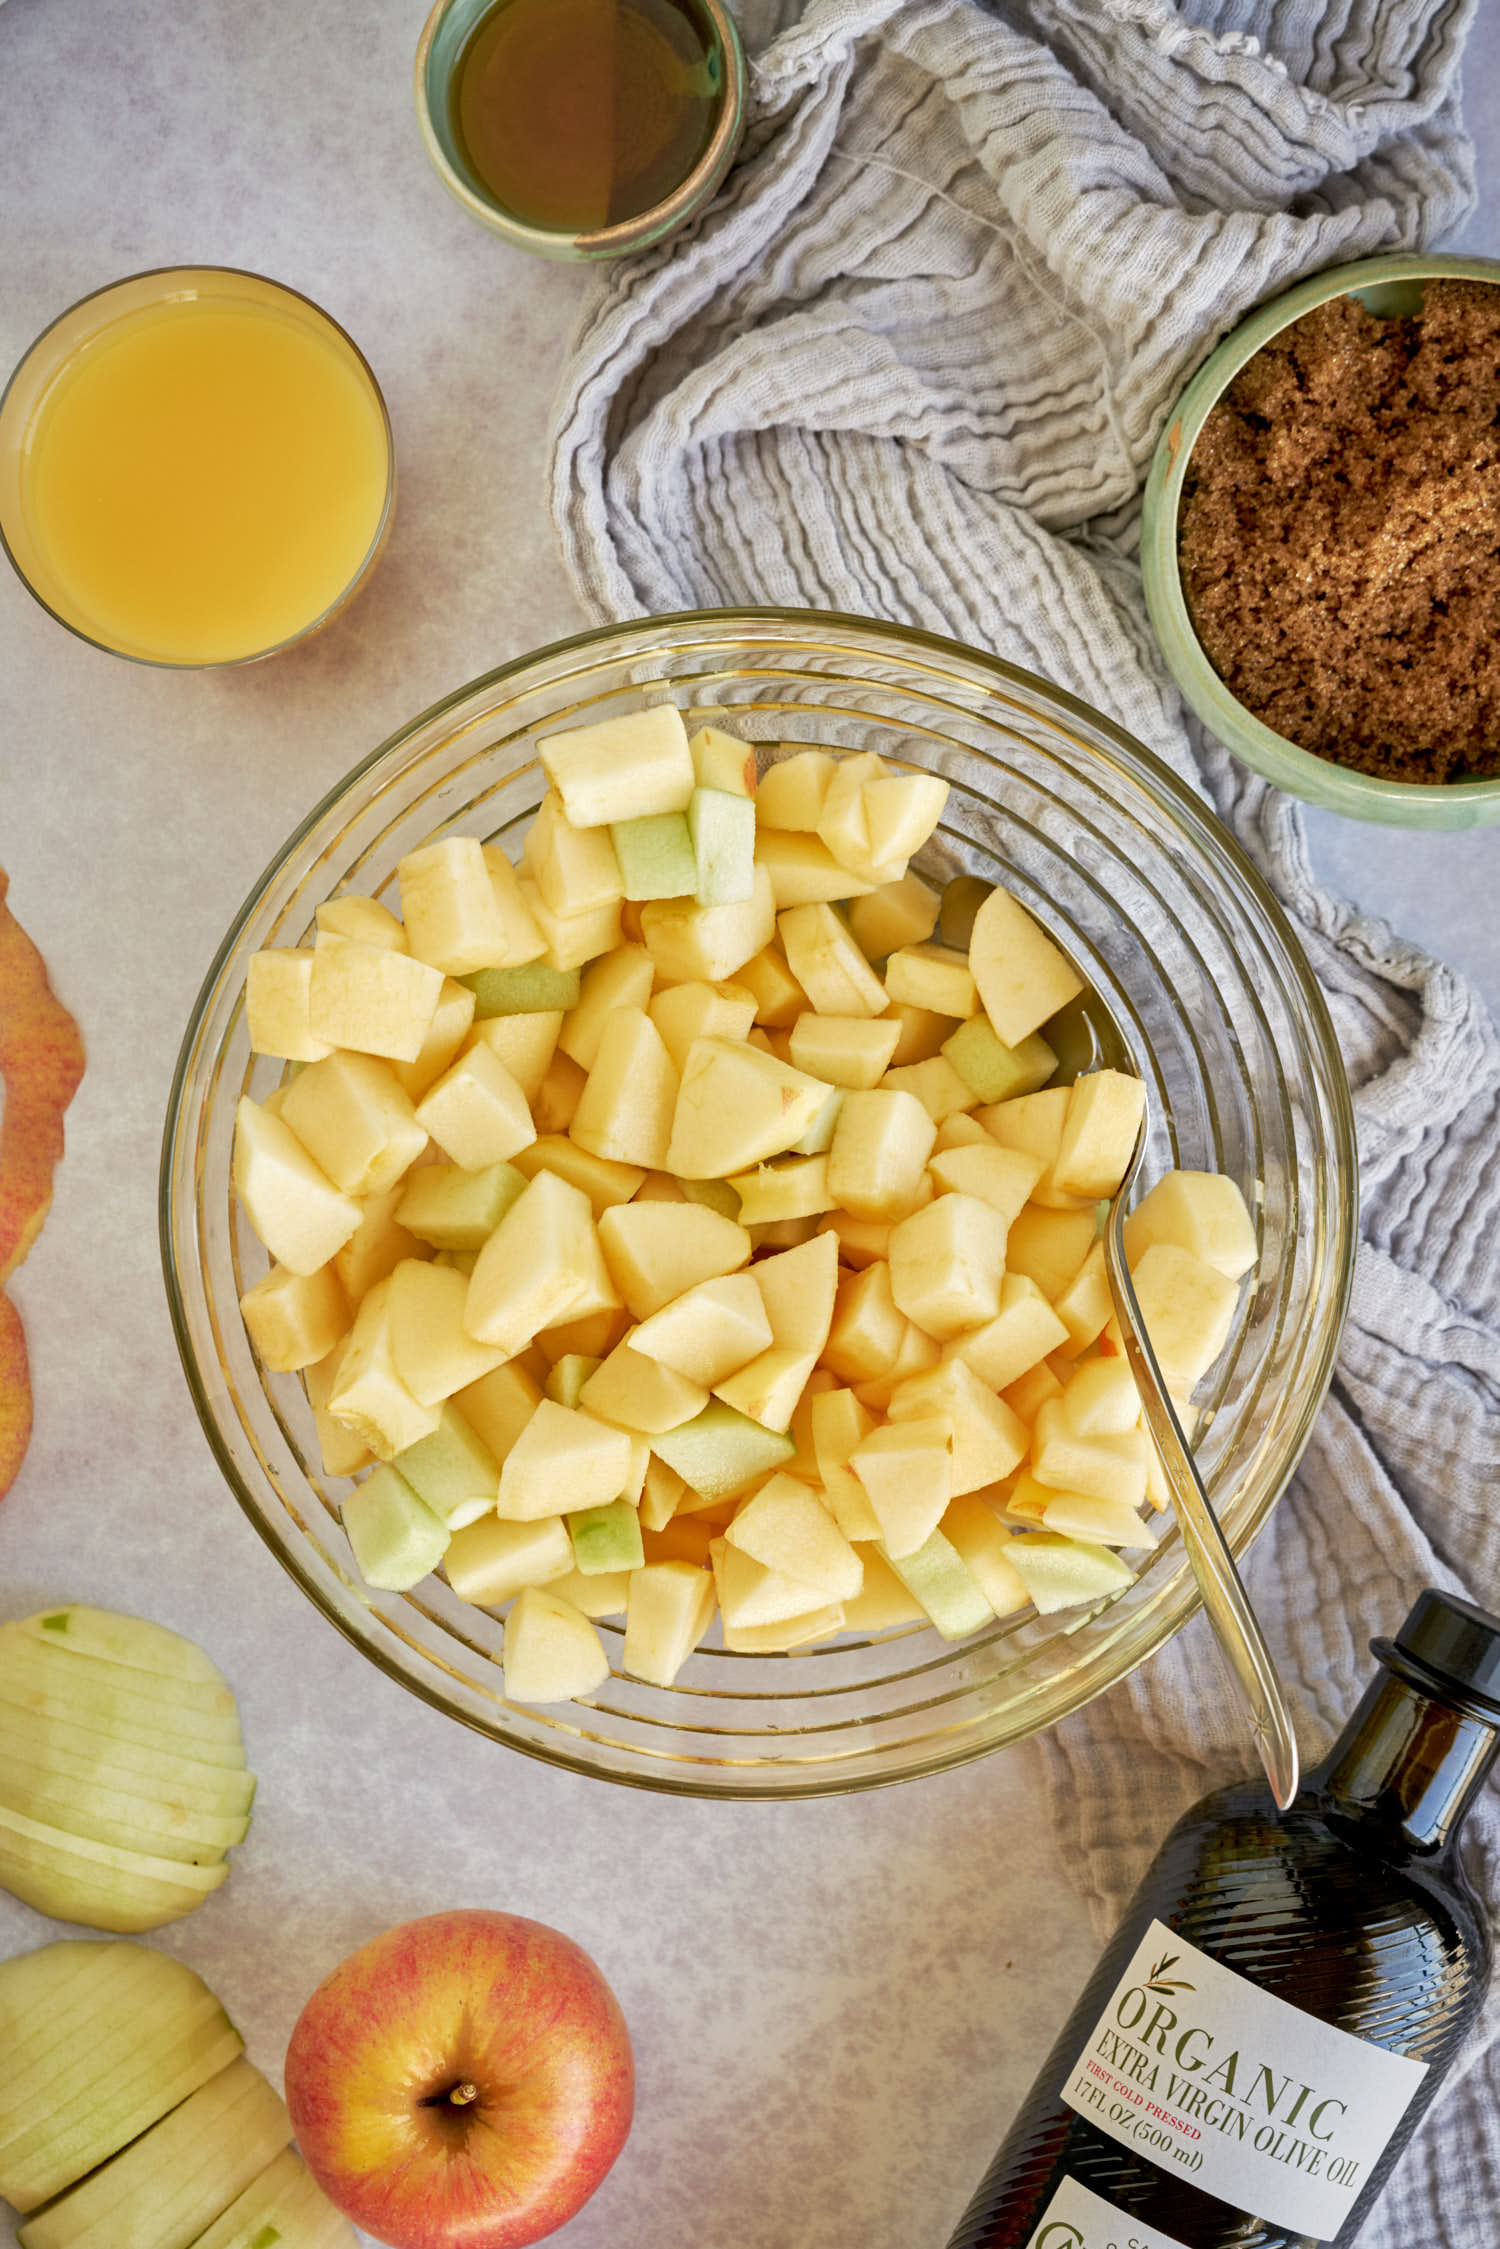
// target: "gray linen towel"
[[913, 363]]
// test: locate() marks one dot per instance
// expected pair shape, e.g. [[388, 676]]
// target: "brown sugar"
[[1340, 535]]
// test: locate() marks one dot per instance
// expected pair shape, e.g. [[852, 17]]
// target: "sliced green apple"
[[131, 1640], [80, 1753], [104, 1814], [177, 2178], [77, 1880], [97, 1706], [285, 2208]]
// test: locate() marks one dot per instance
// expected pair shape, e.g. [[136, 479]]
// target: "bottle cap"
[[1448, 1647]]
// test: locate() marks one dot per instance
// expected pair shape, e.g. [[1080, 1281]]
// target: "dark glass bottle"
[[1185, 2109]]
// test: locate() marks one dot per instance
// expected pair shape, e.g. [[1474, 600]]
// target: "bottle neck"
[[1407, 1763]]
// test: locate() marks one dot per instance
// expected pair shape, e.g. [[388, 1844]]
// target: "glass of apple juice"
[[196, 467]]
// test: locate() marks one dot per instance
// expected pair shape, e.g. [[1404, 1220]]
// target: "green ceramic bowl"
[[1390, 287]]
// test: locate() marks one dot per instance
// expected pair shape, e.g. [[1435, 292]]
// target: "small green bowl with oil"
[[581, 129], [1388, 287]]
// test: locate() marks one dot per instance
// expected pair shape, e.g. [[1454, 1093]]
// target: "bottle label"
[[1214, 2080], [1077, 2219]]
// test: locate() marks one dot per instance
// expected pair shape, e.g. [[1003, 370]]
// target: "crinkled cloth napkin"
[[913, 363]]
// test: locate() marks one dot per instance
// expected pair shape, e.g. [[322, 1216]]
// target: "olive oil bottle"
[[1285, 1994]]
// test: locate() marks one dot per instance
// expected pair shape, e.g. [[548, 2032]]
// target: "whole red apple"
[[463, 2082]]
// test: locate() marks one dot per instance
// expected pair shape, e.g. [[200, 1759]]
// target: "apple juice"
[[1284, 1995]]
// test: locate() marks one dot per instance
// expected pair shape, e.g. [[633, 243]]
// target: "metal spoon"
[[1224, 1597]]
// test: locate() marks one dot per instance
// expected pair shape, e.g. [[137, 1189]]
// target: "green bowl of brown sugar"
[[1320, 541]]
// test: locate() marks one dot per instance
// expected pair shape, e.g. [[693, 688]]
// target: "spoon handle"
[[1224, 1597]]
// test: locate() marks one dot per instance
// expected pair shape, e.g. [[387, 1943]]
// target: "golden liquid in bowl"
[[580, 114]]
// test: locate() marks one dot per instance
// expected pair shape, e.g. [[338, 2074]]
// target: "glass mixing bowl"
[[1154, 901]]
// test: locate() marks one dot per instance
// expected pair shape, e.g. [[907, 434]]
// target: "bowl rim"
[[1193, 812], [1317, 780], [648, 226], [378, 537]]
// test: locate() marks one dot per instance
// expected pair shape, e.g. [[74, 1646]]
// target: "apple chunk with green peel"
[[463, 2078]]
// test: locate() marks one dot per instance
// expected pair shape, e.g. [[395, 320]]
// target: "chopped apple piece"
[[936, 1084], [842, 820], [721, 827], [1099, 1133], [779, 998], [658, 1251], [1021, 1334], [642, 1393], [796, 1187], [626, 1110], [937, 1576], [1001, 1177], [563, 1460], [1021, 975], [901, 814], [1049, 1247], [368, 1394], [882, 1602], [534, 987], [752, 1595], [443, 1042], [1033, 1123], [524, 1043], [292, 1204], [946, 1264], [1061, 1573], [907, 1473], [621, 768], [525, 941], [364, 919], [395, 1537], [601, 1596], [839, 1424], [827, 963], [571, 939], [792, 1633], [920, 1032], [295, 1319], [453, 1471], [448, 906], [278, 983], [488, 1560], [983, 1545], [708, 943], [1103, 1522], [786, 1527], [1031, 1390], [1106, 1467], [897, 914], [667, 1614], [451, 1208], [282, 2208], [988, 1439], [352, 1116], [881, 1144], [371, 999], [432, 1349], [1086, 1305], [845, 1050], [721, 1453], [498, 1407], [623, 978], [539, 1266], [343, 1453], [722, 761], [1188, 1307], [995, 1071], [735, 1107], [685, 1012], [933, 977], [476, 1112], [709, 1331], [1099, 1399], [792, 790], [574, 869], [803, 870], [656, 858], [552, 1652], [606, 1182], [606, 1538], [1198, 1211], [769, 1388], [798, 1290]]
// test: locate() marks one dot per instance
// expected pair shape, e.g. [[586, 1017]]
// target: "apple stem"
[[462, 2094]]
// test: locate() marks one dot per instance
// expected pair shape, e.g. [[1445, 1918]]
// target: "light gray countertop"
[[837, 2004]]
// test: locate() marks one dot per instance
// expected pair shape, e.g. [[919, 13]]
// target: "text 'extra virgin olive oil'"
[[580, 114], [1285, 1994]]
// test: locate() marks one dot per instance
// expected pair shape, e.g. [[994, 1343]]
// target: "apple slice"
[[395, 1537], [1022, 976], [179, 2177], [96, 2042], [103, 1814], [284, 2208], [937, 1576], [552, 1652], [1060, 1573], [74, 1879]]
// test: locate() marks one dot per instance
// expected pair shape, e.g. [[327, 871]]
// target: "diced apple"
[[621, 768], [750, 1593], [1023, 1331], [622, 978], [722, 761], [907, 1473], [845, 1050], [656, 857], [364, 919], [803, 870], [668, 1612], [626, 1110], [987, 1439], [433, 1350], [498, 1407], [524, 1043], [1198, 1211], [639, 1392], [901, 814], [342, 1452], [793, 788], [995, 1071], [293, 1206], [882, 1602], [534, 987], [476, 1112], [798, 1290], [937, 1576], [368, 1394], [946, 1264], [606, 1538], [868, 1328], [395, 1537], [1099, 1133], [353, 1117], [721, 827], [839, 1424], [827, 963], [453, 1471], [552, 1652], [983, 1545], [1188, 1308], [936, 1084], [1106, 1467], [1061, 1573], [722, 1453], [1086, 1305], [563, 1460], [1022, 977], [1033, 1123], [708, 944], [571, 939], [795, 1187], [278, 983], [1031, 1390], [295, 1319], [604, 1595], [842, 820], [897, 914], [450, 1208], [524, 939], [372, 999], [1049, 1246], [575, 869], [934, 977], [920, 1032], [443, 1042], [709, 1331], [1103, 1522], [448, 905], [881, 1144], [685, 1012], [779, 998], [735, 1107], [769, 1388], [539, 1266], [658, 1251], [792, 1633], [489, 1561], [567, 1376], [786, 1527]]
